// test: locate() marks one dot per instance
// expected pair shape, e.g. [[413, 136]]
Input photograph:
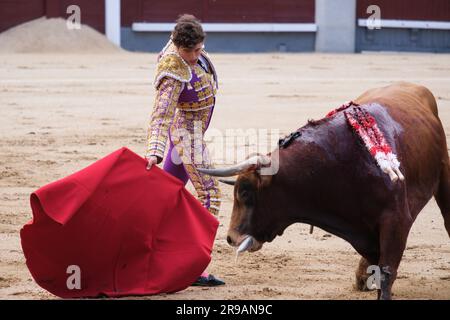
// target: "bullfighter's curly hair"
[[188, 32]]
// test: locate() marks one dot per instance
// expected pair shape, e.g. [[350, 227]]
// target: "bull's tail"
[[442, 195]]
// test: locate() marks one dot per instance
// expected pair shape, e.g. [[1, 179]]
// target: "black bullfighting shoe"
[[208, 281]]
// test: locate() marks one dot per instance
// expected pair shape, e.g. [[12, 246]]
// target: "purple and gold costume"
[[183, 108]]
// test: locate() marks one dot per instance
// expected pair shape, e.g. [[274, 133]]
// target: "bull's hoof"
[[361, 275], [361, 283]]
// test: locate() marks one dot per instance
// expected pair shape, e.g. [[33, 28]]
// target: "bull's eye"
[[246, 197], [244, 194]]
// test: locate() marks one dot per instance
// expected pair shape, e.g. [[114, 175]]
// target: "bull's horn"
[[245, 245], [255, 162], [230, 182]]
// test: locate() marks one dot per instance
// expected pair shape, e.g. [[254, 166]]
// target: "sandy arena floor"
[[60, 113]]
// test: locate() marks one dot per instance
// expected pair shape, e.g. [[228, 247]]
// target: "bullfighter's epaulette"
[[286, 141], [173, 66]]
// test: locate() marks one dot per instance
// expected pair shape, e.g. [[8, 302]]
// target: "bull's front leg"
[[388, 276]]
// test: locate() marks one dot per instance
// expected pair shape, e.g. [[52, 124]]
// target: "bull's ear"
[[264, 180]]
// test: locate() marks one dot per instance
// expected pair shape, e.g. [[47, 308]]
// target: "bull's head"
[[249, 227]]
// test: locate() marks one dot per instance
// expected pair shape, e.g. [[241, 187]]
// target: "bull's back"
[[404, 96], [421, 145], [414, 108]]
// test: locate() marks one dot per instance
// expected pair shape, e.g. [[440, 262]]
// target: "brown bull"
[[326, 178]]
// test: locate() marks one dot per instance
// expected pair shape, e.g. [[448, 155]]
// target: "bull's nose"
[[230, 242]]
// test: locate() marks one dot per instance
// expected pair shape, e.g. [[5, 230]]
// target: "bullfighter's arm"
[[161, 119]]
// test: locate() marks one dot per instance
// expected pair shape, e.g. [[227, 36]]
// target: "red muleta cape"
[[130, 231]]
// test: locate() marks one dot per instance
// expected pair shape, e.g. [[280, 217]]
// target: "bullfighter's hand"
[[151, 160]]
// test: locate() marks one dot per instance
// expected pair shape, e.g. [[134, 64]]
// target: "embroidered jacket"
[[178, 86]]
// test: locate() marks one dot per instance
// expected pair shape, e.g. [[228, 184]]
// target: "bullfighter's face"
[[191, 55]]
